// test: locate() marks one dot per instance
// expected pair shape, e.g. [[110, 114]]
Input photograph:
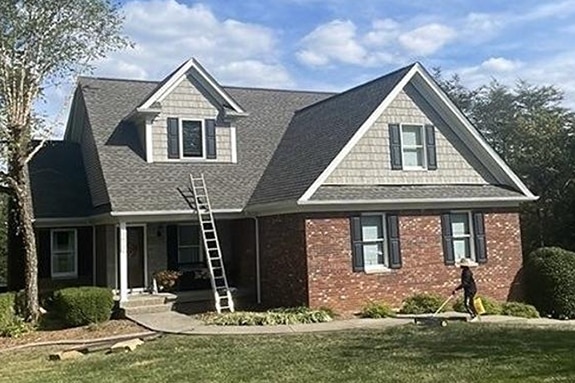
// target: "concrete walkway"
[[176, 323]]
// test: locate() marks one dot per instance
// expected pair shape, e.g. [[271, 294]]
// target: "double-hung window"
[[64, 253], [463, 236], [412, 147], [375, 242], [189, 245], [192, 139]]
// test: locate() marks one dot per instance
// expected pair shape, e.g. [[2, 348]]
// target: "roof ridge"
[[115, 79], [279, 89], [358, 87]]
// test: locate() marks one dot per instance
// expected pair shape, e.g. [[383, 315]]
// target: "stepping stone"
[[127, 345], [64, 355]]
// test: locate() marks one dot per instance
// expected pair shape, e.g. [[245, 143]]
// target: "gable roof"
[[156, 186]]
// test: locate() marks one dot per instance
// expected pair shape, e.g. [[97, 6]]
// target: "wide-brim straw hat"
[[466, 262]]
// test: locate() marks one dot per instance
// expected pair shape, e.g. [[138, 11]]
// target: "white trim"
[[234, 144], [478, 138], [69, 275], [384, 240], [418, 200], [93, 255], [149, 141], [177, 77], [123, 262], [168, 212], [471, 234], [358, 135]]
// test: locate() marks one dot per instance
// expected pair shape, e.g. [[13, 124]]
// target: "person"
[[468, 285]]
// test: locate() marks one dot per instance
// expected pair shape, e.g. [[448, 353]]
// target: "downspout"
[[258, 272]]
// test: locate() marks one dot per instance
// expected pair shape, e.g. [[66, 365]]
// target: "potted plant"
[[167, 279]]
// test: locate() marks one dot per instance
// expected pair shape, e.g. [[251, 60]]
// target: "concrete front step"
[[147, 309], [150, 300]]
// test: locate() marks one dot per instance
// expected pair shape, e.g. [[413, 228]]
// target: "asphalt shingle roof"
[[135, 185], [316, 135], [58, 181], [411, 192]]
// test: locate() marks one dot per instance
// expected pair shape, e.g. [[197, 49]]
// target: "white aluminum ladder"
[[220, 287]]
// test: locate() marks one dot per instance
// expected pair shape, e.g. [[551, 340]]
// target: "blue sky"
[[335, 44]]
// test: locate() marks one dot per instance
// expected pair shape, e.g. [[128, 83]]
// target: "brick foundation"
[[333, 283]]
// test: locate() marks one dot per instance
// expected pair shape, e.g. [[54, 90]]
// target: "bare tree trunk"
[[24, 217]]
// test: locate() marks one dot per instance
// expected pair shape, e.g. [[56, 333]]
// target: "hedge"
[[376, 310], [422, 303], [282, 316], [518, 309], [11, 324], [550, 281], [491, 306], [78, 306]]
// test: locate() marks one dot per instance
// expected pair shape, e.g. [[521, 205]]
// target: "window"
[[412, 146], [375, 240], [189, 245], [461, 231], [64, 260], [192, 139], [463, 237]]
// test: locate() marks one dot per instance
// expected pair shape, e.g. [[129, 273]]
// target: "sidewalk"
[[173, 322]]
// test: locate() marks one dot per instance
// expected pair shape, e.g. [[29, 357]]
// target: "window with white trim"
[[64, 253], [189, 245], [413, 146], [192, 141], [374, 242], [462, 232]]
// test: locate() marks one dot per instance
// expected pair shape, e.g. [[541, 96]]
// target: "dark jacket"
[[467, 282]]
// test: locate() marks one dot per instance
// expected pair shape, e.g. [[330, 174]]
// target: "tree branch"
[[35, 150]]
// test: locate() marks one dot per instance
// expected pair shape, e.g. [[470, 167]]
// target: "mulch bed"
[[108, 329]]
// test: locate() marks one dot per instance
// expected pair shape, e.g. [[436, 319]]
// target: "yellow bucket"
[[478, 305]]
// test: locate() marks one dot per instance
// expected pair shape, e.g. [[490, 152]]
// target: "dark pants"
[[468, 297]]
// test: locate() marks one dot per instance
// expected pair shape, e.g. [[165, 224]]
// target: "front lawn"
[[457, 353]]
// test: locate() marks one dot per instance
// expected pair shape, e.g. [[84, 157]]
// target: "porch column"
[[123, 262]]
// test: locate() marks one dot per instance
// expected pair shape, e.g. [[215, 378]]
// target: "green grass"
[[459, 353]]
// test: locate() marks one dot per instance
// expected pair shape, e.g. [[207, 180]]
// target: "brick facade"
[[323, 253]]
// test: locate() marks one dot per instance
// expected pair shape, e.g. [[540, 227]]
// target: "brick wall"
[[283, 261], [333, 283]]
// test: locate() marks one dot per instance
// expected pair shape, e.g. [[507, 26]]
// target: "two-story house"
[[320, 199]]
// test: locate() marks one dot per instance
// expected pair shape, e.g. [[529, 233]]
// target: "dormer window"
[[412, 147], [192, 139]]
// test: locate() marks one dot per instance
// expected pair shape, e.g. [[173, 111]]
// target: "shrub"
[[491, 306], [78, 306], [167, 279], [268, 318], [377, 310], [11, 325], [550, 281], [517, 309], [421, 304]]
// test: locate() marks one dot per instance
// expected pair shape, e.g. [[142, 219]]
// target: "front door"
[[135, 236]]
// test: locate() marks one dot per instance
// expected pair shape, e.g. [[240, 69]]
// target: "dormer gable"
[[188, 117]]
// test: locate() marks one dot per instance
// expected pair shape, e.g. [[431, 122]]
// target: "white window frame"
[[181, 138], [416, 147], [68, 275], [200, 244], [384, 241], [471, 234]]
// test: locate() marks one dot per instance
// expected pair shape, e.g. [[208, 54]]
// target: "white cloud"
[[255, 73], [427, 39], [384, 32], [166, 33], [559, 9], [500, 64], [334, 41]]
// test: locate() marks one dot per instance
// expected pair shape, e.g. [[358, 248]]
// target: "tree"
[[531, 130], [41, 43]]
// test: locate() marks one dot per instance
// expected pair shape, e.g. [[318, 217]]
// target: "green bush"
[[491, 306], [269, 318], [78, 306], [422, 303], [11, 324], [517, 309], [550, 281], [377, 310]]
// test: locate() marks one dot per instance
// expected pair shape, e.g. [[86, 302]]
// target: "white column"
[[123, 262], [149, 140]]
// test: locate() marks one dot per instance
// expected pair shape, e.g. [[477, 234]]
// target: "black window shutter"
[[393, 241], [430, 146], [479, 237], [210, 139], [448, 255], [173, 138], [44, 253], [357, 246], [172, 246], [395, 147]]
